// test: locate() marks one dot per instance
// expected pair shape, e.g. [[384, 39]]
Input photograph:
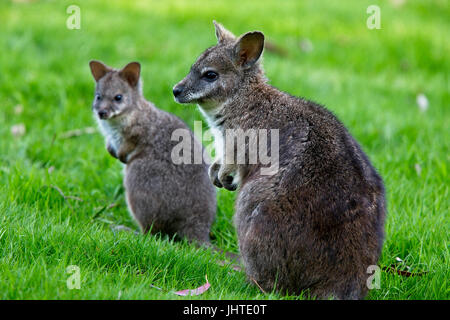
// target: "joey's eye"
[[118, 97], [97, 97], [210, 76]]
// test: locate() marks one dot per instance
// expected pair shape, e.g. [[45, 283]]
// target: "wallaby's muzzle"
[[103, 114], [182, 91], [179, 92]]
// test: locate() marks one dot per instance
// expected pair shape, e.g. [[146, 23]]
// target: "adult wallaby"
[[317, 223], [163, 196]]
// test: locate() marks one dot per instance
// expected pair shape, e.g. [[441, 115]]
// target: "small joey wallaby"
[[161, 195], [314, 223]]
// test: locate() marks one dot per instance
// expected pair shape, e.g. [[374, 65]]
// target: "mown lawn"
[[369, 78]]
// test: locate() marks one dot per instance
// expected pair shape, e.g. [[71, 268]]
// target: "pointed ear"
[[223, 34], [98, 69], [131, 73], [248, 49]]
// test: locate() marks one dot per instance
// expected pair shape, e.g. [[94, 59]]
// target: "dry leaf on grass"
[[395, 268], [195, 292]]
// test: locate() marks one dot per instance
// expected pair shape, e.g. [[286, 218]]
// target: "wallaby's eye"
[[97, 97], [118, 98], [210, 76]]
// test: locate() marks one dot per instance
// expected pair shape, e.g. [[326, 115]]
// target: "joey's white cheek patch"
[[195, 96]]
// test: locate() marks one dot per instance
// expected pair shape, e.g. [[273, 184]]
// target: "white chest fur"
[[219, 140], [111, 133], [216, 132]]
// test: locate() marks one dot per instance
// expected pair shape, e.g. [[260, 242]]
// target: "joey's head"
[[222, 70], [116, 91]]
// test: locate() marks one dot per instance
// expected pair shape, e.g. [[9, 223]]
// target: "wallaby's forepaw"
[[222, 176], [226, 177], [122, 158], [228, 184], [111, 150]]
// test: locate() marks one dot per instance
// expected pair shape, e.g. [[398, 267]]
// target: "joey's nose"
[[103, 114], [177, 90]]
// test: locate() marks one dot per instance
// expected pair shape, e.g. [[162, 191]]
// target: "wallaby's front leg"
[[214, 173], [125, 149], [120, 154]]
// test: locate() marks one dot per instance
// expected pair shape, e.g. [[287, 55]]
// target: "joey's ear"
[[98, 69], [131, 73], [223, 34], [248, 49]]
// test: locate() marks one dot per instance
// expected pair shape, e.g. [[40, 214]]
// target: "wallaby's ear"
[[131, 73], [223, 34], [98, 69], [248, 49]]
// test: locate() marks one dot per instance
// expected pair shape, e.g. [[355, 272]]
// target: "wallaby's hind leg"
[[350, 290], [195, 232]]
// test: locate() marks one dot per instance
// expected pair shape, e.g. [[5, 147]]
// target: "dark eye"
[[118, 97], [210, 76], [97, 97]]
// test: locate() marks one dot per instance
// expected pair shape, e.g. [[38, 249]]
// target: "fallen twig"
[[394, 269], [78, 132], [155, 287], [104, 208], [122, 228], [257, 284], [65, 197], [62, 193]]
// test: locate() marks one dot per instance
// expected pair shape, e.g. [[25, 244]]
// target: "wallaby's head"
[[116, 91], [222, 69]]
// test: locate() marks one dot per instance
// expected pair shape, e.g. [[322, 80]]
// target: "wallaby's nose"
[[103, 114], [177, 90]]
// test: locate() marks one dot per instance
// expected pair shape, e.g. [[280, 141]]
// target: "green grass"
[[369, 78]]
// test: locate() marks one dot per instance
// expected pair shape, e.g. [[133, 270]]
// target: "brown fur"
[[318, 223], [160, 194]]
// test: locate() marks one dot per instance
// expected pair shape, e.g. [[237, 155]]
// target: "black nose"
[[177, 90], [102, 114]]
